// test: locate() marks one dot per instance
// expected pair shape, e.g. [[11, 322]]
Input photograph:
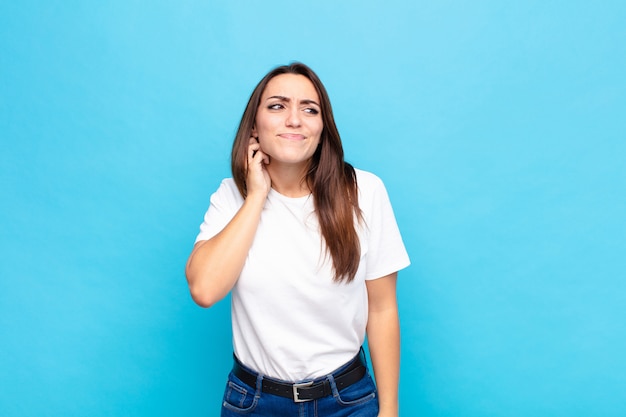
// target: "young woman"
[[310, 249]]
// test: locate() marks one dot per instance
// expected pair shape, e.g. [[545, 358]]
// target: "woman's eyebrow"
[[287, 99], [309, 101]]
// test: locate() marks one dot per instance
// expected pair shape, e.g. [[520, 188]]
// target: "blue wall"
[[498, 127]]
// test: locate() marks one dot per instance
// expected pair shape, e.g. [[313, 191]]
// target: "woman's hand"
[[257, 178]]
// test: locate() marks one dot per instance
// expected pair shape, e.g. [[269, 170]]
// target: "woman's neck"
[[289, 180]]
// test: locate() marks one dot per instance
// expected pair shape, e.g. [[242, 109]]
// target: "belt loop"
[[259, 385]]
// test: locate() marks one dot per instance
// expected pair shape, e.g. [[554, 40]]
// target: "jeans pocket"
[[358, 393], [239, 397]]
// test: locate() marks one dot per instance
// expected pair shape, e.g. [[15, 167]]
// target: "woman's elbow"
[[205, 288], [202, 296], [202, 300]]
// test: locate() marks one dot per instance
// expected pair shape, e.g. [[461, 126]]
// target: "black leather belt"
[[305, 391]]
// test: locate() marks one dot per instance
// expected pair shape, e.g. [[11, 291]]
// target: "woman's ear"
[[254, 133]]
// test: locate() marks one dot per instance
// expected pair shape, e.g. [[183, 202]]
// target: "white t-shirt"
[[290, 319]]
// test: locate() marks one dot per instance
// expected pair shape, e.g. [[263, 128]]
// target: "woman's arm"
[[215, 264], [383, 335]]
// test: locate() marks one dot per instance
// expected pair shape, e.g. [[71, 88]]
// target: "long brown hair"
[[330, 178]]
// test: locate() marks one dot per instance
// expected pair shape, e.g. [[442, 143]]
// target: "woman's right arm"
[[215, 264]]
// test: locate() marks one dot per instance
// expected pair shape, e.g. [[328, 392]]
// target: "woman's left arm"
[[383, 335]]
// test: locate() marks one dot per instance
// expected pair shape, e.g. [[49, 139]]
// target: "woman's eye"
[[311, 110], [276, 106]]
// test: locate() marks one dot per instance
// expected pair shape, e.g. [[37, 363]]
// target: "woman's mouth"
[[291, 136]]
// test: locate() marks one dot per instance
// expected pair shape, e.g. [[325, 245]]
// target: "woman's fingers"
[[257, 176], [254, 148]]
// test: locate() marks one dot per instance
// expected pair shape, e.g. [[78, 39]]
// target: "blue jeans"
[[359, 399]]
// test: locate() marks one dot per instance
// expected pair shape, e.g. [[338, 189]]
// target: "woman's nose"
[[293, 118]]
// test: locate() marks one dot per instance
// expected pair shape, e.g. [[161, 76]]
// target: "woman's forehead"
[[292, 86]]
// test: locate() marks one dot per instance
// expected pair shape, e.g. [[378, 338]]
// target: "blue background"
[[498, 127]]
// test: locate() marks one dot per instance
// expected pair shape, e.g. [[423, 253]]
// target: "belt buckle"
[[296, 395]]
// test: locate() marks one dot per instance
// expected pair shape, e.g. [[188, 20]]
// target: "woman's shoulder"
[[367, 180], [228, 190], [228, 183]]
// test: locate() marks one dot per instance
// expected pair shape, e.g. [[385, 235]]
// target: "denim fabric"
[[359, 399]]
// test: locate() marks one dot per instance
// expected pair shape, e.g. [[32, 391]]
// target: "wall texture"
[[498, 127]]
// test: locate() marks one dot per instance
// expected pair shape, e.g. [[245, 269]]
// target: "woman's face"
[[289, 120]]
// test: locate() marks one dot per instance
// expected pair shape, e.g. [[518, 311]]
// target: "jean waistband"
[[345, 376]]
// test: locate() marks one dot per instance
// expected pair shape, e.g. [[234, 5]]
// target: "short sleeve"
[[224, 204], [386, 252]]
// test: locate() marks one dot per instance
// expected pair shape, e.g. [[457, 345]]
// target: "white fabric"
[[290, 320]]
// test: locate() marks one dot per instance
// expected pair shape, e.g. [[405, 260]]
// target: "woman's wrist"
[[256, 197]]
